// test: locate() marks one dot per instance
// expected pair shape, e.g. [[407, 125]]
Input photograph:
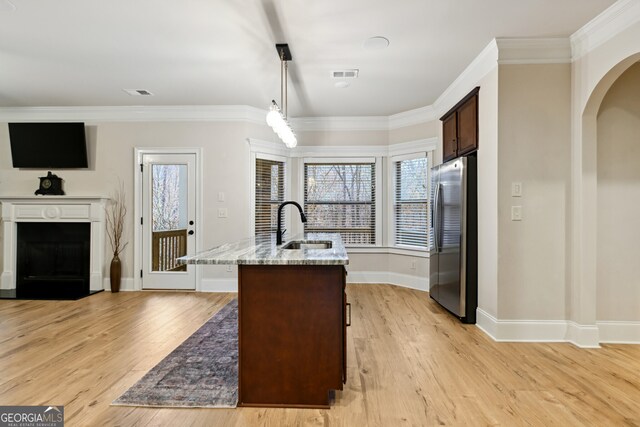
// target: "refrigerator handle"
[[436, 210]]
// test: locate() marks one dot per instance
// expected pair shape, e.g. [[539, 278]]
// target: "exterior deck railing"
[[166, 246]]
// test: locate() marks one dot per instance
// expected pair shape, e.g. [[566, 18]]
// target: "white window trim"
[[391, 188], [419, 253], [382, 156], [378, 165], [267, 151]]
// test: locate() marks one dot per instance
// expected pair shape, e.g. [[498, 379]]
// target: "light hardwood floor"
[[409, 363]]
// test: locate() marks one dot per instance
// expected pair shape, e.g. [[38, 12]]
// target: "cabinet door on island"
[[292, 334]]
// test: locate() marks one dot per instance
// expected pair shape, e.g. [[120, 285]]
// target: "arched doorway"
[[618, 201], [583, 292]]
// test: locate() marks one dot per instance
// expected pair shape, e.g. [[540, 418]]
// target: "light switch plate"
[[516, 189], [221, 196], [516, 213]]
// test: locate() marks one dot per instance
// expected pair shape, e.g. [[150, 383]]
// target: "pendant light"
[[277, 116]]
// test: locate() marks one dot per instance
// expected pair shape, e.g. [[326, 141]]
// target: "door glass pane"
[[169, 216]]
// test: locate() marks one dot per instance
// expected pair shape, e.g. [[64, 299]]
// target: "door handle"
[[349, 307], [190, 232], [191, 222]]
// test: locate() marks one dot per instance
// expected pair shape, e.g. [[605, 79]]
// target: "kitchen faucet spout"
[[303, 218]]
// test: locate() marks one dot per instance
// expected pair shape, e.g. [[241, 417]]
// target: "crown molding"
[[534, 50], [486, 61], [412, 117], [213, 113], [614, 20]]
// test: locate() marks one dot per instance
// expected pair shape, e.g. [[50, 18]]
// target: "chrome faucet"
[[279, 231]]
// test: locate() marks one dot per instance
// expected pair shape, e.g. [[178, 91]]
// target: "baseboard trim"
[[487, 323], [398, 279], [585, 336], [126, 284], [617, 332], [219, 285], [521, 330]]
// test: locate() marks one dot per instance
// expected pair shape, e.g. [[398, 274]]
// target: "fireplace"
[[53, 246], [53, 260]]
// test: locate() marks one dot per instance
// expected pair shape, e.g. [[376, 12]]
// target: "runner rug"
[[201, 373]]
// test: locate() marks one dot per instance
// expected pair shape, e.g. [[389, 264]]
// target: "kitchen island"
[[292, 318]]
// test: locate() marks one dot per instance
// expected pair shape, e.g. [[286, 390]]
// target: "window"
[[269, 193], [411, 200], [341, 198]]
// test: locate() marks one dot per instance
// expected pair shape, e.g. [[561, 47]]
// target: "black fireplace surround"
[[53, 260]]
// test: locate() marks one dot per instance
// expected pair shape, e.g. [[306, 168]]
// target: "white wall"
[[488, 193], [618, 269], [534, 149], [427, 129], [226, 168]]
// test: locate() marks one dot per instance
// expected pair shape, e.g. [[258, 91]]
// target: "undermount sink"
[[308, 244]]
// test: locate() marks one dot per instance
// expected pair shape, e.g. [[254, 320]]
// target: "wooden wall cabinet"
[[460, 127]]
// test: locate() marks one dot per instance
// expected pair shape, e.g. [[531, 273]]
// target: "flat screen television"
[[48, 145]]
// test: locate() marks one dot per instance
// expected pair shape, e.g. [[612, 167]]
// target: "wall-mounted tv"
[[48, 145]]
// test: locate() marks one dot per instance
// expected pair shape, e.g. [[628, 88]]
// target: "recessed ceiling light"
[[341, 84], [138, 92], [375, 43]]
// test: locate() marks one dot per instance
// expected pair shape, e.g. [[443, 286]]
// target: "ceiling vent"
[[138, 92], [345, 74]]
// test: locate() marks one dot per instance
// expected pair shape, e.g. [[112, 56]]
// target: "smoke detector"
[[138, 92], [345, 74]]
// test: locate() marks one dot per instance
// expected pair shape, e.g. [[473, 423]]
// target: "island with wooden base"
[[292, 318]]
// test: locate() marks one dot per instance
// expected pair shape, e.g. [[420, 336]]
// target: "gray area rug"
[[202, 372]]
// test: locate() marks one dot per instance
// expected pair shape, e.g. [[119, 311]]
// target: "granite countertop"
[[263, 251]]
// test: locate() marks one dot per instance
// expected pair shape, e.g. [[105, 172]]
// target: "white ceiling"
[[222, 52]]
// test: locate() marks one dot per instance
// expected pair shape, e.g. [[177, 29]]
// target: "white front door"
[[168, 220]]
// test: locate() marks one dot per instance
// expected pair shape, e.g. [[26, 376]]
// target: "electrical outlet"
[[229, 268], [516, 213], [222, 212]]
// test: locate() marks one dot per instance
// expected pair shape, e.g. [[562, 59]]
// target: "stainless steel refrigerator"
[[453, 257]]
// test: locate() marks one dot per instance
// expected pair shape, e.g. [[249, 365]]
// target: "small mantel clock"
[[50, 185]]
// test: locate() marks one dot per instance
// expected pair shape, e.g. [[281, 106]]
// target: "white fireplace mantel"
[[17, 209]]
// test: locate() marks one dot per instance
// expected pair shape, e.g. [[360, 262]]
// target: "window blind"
[[411, 202], [341, 198], [269, 193]]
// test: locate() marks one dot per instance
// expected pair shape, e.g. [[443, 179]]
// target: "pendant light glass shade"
[[280, 126]]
